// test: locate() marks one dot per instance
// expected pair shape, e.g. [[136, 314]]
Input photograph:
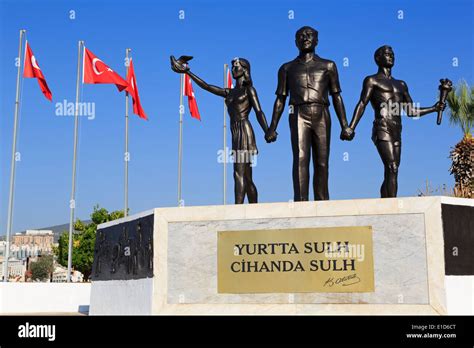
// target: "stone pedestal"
[[165, 261]]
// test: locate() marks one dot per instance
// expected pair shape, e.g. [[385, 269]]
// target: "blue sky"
[[425, 42]]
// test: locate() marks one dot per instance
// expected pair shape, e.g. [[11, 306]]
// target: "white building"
[[31, 243], [60, 275], [23, 251], [2, 248], [42, 239], [16, 269]]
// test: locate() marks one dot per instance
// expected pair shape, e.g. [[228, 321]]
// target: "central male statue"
[[308, 80]]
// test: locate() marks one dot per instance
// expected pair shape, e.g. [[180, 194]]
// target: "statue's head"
[[306, 39], [384, 57], [241, 67]]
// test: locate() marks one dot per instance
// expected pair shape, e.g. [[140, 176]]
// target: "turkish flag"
[[32, 69], [188, 91], [133, 90], [96, 71], [229, 79]]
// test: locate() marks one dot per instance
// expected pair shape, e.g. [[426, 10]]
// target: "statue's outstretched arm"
[[222, 92], [413, 111], [181, 66]]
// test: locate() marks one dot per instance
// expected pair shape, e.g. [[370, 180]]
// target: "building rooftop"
[[35, 232]]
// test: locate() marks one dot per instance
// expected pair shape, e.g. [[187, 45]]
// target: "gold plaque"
[[329, 259]]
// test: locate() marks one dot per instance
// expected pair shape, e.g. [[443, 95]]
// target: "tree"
[[61, 250], [84, 241], [461, 112], [42, 269]]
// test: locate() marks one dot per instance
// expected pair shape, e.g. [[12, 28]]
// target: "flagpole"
[[225, 137], [72, 202], [127, 155], [13, 162], [180, 144]]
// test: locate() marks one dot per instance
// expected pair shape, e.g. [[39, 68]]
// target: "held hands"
[[347, 134], [271, 135]]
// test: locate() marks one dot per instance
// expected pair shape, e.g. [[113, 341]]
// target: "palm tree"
[[461, 112]]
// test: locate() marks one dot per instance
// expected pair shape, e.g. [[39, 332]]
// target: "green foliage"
[[79, 225], [61, 251], [101, 215], [84, 241], [461, 112], [462, 167], [42, 269], [461, 107]]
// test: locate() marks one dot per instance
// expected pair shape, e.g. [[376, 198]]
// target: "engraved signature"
[[343, 281]]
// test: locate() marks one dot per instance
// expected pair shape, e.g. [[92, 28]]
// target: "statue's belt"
[[387, 125], [312, 104]]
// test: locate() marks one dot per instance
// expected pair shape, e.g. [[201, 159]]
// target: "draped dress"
[[239, 107]]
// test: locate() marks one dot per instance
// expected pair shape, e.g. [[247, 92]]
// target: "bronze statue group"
[[308, 80]]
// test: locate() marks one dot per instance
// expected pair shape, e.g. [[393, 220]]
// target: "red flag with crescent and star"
[[96, 71], [229, 79], [188, 91], [133, 90], [32, 70]]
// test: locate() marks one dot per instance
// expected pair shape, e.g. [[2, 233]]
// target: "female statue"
[[240, 101]]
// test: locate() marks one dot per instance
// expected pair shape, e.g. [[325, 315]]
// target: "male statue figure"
[[308, 80], [388, 97]]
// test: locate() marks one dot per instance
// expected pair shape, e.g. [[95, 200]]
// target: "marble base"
[[408, 250]]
